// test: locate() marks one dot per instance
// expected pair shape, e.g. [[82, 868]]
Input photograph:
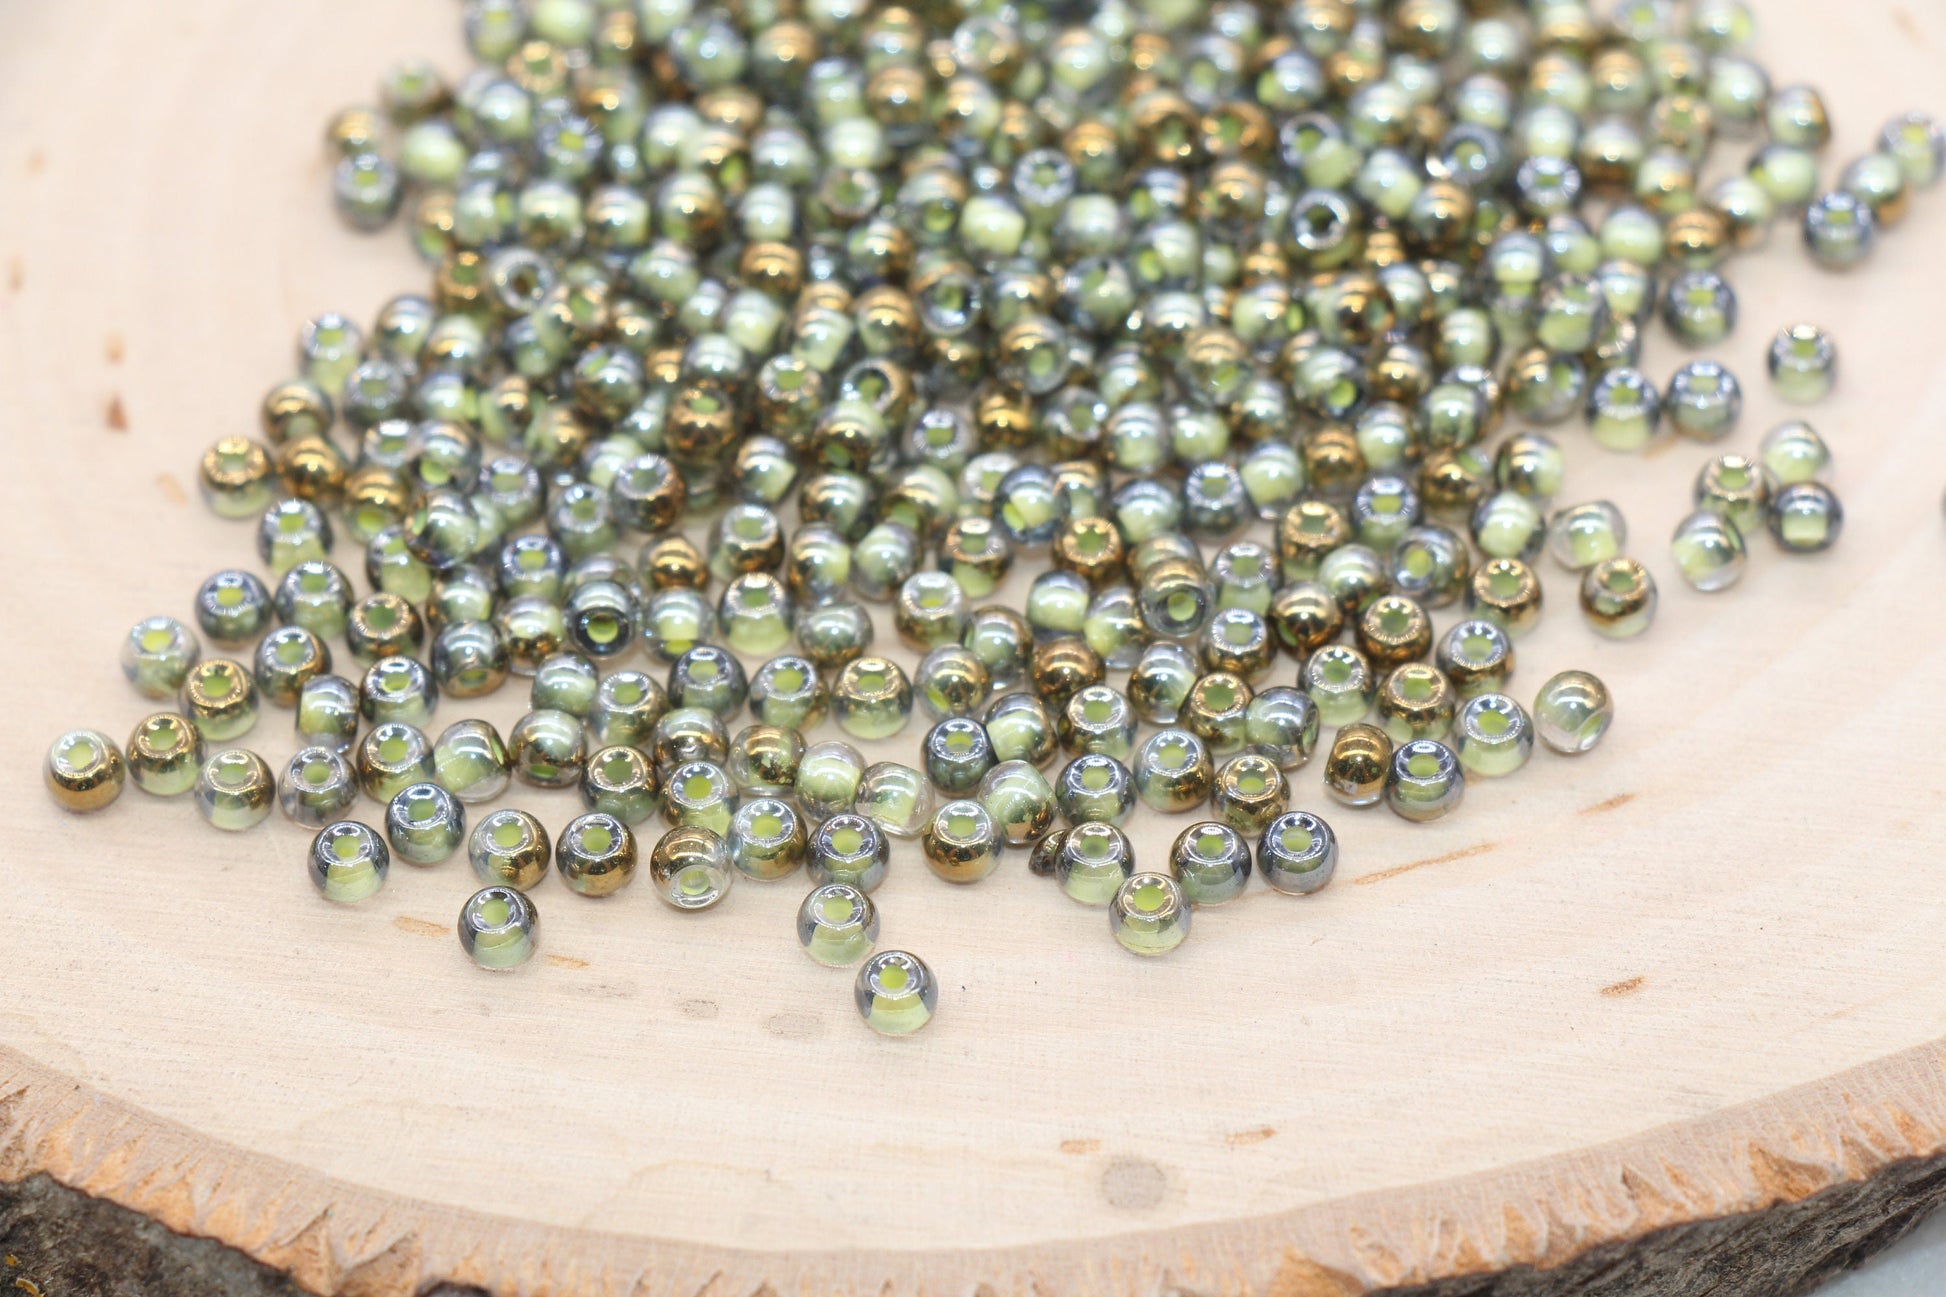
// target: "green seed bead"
[[348, 862], [220, 699], [1793, 452], [896, 993], [1583, 535], [1172, 771], [315, 595], [1001, 639], [828, 778], [700, 793], [962, 843], [767, 839], [1149, 914], [1624, 410], [157, 656], [850, 849], [1919, 144], [509, 848], [1736, 488], [787, 693], [837, 925], [872, 698], [1492, 735], [1572, 712], [499, 927], [164, 755], [84, 771], [1019, 799], [424, 824], [1020, 728], [895, 797], [1805, 517], [548, 749], [1425, 780], [1709, 551], [755, 614], [595, 854], [318, 787], [1298, 853], [232, 607], [1211, 863], [1160, 682], [235, 790], [619, 781], [392, 757], [625, 711], [691, 868], [564, 682], [1803, 363], [327, 714], [1093, 861]]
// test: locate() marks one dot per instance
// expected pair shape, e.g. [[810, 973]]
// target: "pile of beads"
[[1247, 321]]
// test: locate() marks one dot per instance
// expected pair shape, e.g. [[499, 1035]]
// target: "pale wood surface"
[[1694, 973]]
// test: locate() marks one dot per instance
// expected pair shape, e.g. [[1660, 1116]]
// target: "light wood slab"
[[1698, 972]]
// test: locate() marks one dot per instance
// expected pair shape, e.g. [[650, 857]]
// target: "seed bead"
[[1805, 517], [1356, 769], [895, 797], [896, 993], [595, 855], [158, 655], [470, 760], [84, 771], [1803, 363], [235, 790], [509, 848], [1493, 735], [1298, 853], [220, 699], [1618, 597], [767, 840], [1709, 551], [1094, 860], [164, 755], [837, 925], [691, 868], [348, 862], [1149, 914], [1249, 792], [1572, 712], [499, 927], [1425, 780], [1211, 863], [962, 842], [1172, 771], [849, 849], [1339, 681]]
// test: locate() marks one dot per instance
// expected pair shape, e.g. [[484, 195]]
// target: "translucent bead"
[[1149, 914], [1618, 597], [220, 698], [235, 790], [1803, 363], [1425, 780], [1161, 680], [1249, 792], [1095, 788], [424, 824], [1572, 711], [691, 868], [1699, 307], [1492, 735], [828, 777], [158, 654], [499, 927], [895, 797], [348, 861], [318, 787], [1709, 551], [1582, 535], [1339, 682], [710, 678], [1211, 862], [1624, 409], [1793, 452], [1298, 853], [849, 849], [787, 692], [837, 925], [1839, 230], [85, 771], [1020, 729], [951, 681], [1281, 723], [164, 757], [595, 855], [1805, 517], [1093, 861], [962, 843], [470, 761], [548, 749], [872, 698], [1704, 400], [1919, 144], [896, 993], [509, 848], [1172, 771], [1018, 797]]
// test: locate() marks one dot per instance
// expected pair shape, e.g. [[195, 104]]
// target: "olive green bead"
[[872, 698], [1211, 863], [499, 927], [1149, 914], [85, 771], [626, 708], [828, 778], [1572, 712], [164, 755], [348, 862], [1492, 735], [962, 842], [595, 855], [1805, 517], [548, 749], [895, 797], [1172, 771], [157, 656], [1020, 728], [700, 793], [1093, 861], [896, 993], [424, 824], [1793, 452], [509, 848], [391, 757], [471, 761], [837, 925], [235, 790], [1709, 551], [564, 682], [1019, 799], [1803, 363], [619, 781], [767, 839], [327, 713], [220, 699], [1001, 639], [764, 759], [691, 868]]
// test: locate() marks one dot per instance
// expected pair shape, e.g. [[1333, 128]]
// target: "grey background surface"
[[1913, 1267]]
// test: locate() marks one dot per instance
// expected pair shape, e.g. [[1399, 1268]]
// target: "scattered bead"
[[498, 927], [1149, 914], [896, 993], [85, 771], [1572, 711]]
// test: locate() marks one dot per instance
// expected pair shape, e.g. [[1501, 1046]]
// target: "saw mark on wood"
[[698, 1008], [1629, 986], [1907, 25], [1081, 1146], [1244, 1138], [566, 961], [172, 489], [117, 414], [1614, 803], [114, 349], [794, 1026], [419, 927], [1477, 849]]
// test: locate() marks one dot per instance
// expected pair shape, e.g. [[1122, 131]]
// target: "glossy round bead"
[[1211, 862], [834, 634], [1508, 525], [1004, 643], [837, 925], [1018, 798], [468, 659], [1339, 682], [767, 839], [397, 689], [710, 678], [390, 757], [84, 771], [1093, 861], [1793, 452], [595, 854], [1149, 913], [1281, 723], [957, 754], [1919, 144], [1415, 701], [691, 868], [1172, 771], [1493, 735], [787, 692], [1572, 712], [896, 993], [1424, 781], [1709, 551], [1618, 597], [498, 927], [1355, 769], [828, 777], [930, 610], [1529, 464], [385, 625], [1298, 853], [1099, 719], [600, 619], [849, 849], [755, 613], [1095, 788], [763, 760], [232, 607], [1699, 307], [1805, 517], [318, 787], [951, 681], [977, 555], [872, 699], [1393, 629], [1249, 792], [347, 862], [164, 755], [235, 478], [548, 749], [962, 843], [700, 793], [471, 761], [896, 797], [1704, 401], [1803, 363], [1507, 593], [1582, 535], [1839, 230], [1624, 409], [1475, 657], [157, 656], [234, 791], [619, 781], [1429, 565], [220, 699], [509, 848], [1019, 728], [424, 824]]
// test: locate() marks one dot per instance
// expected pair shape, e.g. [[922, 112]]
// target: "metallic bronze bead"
[[1062, 667], [1308, 531], [977, 554], [673, 563], [384, 625], [962, 844], [1004, 416], [1250, 792], [1394, 629], [1416, 701], [235, 475], [1304, 617], [1239, 642], [1507, 593], [84, 771], [1360, 758], [1091, 548], [1618, 596], [1333, 462], [1451, 486], [1216, 712], [700, 427], [1697, 238], [313, 468]]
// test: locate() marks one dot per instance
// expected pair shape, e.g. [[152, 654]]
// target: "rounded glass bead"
[[957, 754], [1709, 551], [1018, 798], [1424, 780], [1572, 712], [1249, 792], [391, 757], [1839, 230], [1211, 862], [164, 755], [1803, 363], [872, 699], [1805, 517], [424, 824], [498, 927], [837, 925], [700, 793], [1415, 701], [1493, 735], [1618, 597], [1339, 682], [1298, 853], [1095, 788], [1793, 452], [348, 861], [962, 843], [849, 849], [468, 659], [158, 655], [1430, 565], [1582, 535], [1281, 723], [1019, 728], [1161, 680], [1002, 640], [1919, 144], [767, 839], [691, 868], [470, 761], [233, 607], [548, 749], [619, 781], [1624, 409], [385, 625], [600, 619], [595, 854], [763, 759], [755, 613], [931, 610], [828, 777], [895, 797], [896, 993], [672, 623], [509, 848], [1099, 719], [1149, 913], [1172, 771], [951, 681], [1506, 592], [234, 791], [788, 693], [220, 699], [1699, 307], [710, 678], [318, 787], [327, 713], [1093, 862], [1704, 400], [85, 771], [1355, 769], [397, 689]]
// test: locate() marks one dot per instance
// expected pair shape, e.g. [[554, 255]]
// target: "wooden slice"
[[1693, 974]]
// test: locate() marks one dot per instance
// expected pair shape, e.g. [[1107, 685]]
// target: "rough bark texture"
[[59, 1242]]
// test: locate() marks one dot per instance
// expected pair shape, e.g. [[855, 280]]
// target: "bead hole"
[[509, 833], [219, 682], [317, 773], [697, 787], [766, 827], [1422, 765], [962, 825], [1220, 697], [1620, 580], [392, 748], [626, 692], [494, 912], [597, 839], [347, 847], [1415, 688], [1491, 723], [618, 769], [1210, 845], [1295, 840], [154, 641], [847, 841], [81, 753], [1149, 898], [893, 977]]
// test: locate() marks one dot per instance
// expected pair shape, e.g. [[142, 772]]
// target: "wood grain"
[[669, 1104]]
